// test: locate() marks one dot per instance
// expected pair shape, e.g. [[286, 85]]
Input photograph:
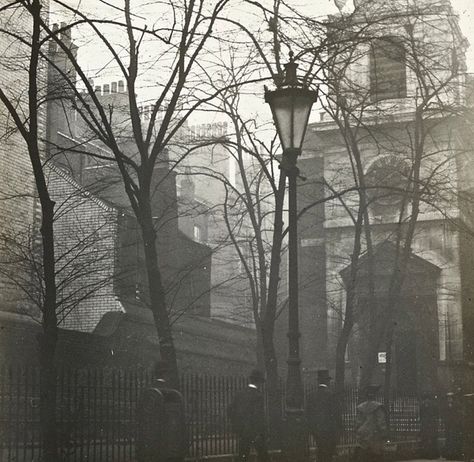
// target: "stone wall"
[[128, 340], [384, 139], [436, 239]]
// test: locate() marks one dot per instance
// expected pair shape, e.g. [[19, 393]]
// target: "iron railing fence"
[[96, 410]]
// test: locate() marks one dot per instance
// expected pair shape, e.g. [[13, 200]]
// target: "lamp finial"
[[291, 80]]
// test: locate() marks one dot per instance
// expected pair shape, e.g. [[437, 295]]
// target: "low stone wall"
[[128, 340]]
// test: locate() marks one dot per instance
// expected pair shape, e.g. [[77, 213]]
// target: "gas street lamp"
[[291, 105]]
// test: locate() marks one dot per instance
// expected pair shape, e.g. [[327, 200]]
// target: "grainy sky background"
[[105, 71], [315, 8]]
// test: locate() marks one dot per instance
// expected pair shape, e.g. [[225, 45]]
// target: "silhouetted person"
[[468, 427], [161, 432], [371, 428], [323, 415], [429, 414], [247, 416], [453, 425]]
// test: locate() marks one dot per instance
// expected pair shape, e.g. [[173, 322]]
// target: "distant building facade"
[[103, 315], [434, 321], [184, 263], [208, 172]]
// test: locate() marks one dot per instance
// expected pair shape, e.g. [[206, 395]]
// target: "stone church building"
[[404, 86]]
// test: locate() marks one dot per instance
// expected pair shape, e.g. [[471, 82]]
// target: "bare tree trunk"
[[363, 224], [49, 336], [341, 348], [269, 317], [273, 389], [158, 304], [349, 317], [387, 386], [260, 347]]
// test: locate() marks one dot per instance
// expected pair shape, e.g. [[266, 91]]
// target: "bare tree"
[[179, 44], [253, 214], [399, 39], [57, 262], [27, 123]]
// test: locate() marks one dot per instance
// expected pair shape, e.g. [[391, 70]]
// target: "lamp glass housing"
[[291, 108]]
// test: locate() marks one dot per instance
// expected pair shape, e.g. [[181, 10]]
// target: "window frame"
[[392, 84]]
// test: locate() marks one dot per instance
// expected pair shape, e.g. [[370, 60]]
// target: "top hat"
[[323, 376], [257, 376]]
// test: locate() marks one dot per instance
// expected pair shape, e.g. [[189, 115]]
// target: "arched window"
[[388, 75]]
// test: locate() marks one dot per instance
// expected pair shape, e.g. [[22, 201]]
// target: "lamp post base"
[[296, 447]]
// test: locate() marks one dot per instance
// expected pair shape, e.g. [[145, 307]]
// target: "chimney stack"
[[65, 34]]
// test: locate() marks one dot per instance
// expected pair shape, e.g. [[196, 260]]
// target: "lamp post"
[[291, 105]]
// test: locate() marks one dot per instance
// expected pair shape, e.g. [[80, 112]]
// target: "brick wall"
[[86, 232], [17, 190]]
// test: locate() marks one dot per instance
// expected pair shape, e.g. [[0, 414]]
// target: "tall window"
[[197, 233], [388, 75]]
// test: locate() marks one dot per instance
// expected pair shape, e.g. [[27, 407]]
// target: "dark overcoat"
[[469, 426], [161, 426], [150, 438], [323, 414], [246, 412], [429, 414]]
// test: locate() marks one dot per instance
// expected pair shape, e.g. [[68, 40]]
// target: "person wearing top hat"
[[429, 416], [247, 416], [161, 428], [453, 425], [468, 399], [323, 415], [371, 428]]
